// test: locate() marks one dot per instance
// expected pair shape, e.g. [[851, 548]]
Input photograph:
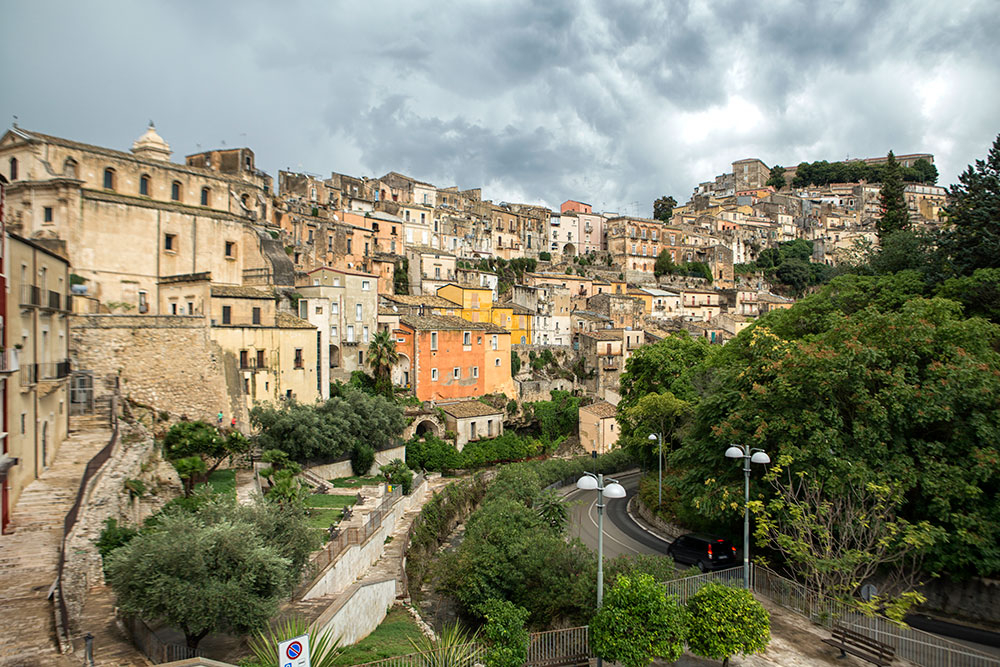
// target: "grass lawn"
[[389, 639], [223, 482], [355, 482], [324, 500], [322, 518]]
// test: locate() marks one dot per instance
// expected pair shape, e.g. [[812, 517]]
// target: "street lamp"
[[592, 482], [659, 487], [749, 456]]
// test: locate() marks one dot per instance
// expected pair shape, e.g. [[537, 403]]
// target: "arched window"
[[69, 168], [13, 169], [144, 185], [206, 196], [109, 179], [246, 201], [175, 190]]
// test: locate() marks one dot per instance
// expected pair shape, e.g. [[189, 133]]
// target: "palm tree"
[[382, 356]]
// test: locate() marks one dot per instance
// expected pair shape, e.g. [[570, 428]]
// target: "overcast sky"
[[614, 103]]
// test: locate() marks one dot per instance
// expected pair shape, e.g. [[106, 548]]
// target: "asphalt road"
[[621, 534]]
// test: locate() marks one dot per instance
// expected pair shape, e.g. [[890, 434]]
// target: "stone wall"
[[343, 468], [976, 600], [135, 457], [540, 390], [167, 362]]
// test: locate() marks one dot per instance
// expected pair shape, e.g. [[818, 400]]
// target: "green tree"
[[663, 208], [895, 216], [795, 273], [362, 459], [927, 172], [552, 509], [515, 363], [396, 472], [638, 622], [724, 621], [400, 279], [671, 364], [382, 356], [190, 469], [971, 237], [664, 264], [979, 293], [505, 633], [200, 577], [661, 414], [777, 177], [186, 439]]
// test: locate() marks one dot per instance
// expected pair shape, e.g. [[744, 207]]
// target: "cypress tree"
[[895, 217]]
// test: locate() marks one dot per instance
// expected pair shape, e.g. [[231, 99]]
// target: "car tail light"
[[709, 550], [734, 550]]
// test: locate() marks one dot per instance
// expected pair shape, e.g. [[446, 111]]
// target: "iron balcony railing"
[[31, 295]]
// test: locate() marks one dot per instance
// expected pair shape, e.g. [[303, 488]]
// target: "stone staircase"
[[29, 555]]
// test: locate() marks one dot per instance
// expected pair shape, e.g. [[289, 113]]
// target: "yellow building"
[[516, 319], [476, 302]]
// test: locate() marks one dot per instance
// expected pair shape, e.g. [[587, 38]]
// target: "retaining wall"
[[358, 612], [343, 468]]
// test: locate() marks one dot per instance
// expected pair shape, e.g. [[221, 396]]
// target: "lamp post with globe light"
[[592, 482], [749, 456], [659, 456]]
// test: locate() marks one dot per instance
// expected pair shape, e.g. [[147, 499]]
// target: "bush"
[[396, 472], [112, 537], [638, 622], [362, 459], [745, 625], [505, 634], [545, 256]]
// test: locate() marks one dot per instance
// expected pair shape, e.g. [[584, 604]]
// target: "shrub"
[[362, 459], [545, 256], [505, 633], [638, 622], [112, 537], [396, 472], [724, 621]]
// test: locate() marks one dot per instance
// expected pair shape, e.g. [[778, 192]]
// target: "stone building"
[[471, 421], [128, 219], [35, 368], [429, 269], [623, 310], [598, 428]]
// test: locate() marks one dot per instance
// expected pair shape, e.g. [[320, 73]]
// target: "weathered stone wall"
[[343, 468], [135, 457], [541, 390], [358, 613], [167, 362]]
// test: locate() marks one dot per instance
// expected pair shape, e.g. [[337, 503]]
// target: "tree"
[[777, 177], [400, 279], [515, 363], [978, 293], [926, 171], [658, 413], [795, 273], [382, 356], [505, 634], [668, 365], [198, 438], [396, 472], [663, 208], [895, 216], [362, 459], [664, 264], [200, 577], [190, 469], [836, 536], [971, 238], [638, 622], [724, 621]]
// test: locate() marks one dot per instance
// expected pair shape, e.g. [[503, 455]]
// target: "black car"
[[707, 552]]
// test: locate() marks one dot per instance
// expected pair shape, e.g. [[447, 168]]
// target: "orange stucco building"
[[448, 358]]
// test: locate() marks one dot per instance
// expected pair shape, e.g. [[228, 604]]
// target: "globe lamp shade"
[[586, 483], [734, 452], [614, 490], [760, 457]]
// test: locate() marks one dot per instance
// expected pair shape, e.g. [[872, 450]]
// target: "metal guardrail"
[[152, 646]]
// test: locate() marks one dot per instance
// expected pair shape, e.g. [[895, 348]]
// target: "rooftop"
[[601, 409], [470, 409], [446, 322], [240, 292]]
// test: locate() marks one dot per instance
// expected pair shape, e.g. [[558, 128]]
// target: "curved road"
[[621, 534]]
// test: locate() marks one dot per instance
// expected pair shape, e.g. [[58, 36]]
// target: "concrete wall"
[[167, 362], [343, 468], [358, 613], [356, 559]]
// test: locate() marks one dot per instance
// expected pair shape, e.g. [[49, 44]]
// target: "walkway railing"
[[152, 646], [922, 648]]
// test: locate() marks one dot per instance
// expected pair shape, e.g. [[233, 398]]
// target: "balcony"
[[55, 301], [31, 295], [8, 361], [55, 370]]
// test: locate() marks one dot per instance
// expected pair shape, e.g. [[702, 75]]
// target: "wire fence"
[[154, 648]]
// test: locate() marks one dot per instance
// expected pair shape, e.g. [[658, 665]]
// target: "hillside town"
[[192, 314]]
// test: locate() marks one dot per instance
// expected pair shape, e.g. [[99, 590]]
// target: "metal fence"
[[909, 643], [543, 647], [152, 646]]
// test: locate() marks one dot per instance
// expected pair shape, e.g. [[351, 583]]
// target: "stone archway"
[[426, 426], [569, 250]]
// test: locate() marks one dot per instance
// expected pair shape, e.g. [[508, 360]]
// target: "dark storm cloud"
[[613, 102]]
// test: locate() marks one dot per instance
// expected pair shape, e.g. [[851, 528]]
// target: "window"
[[434, 340], [109, 179], [496, 362], [13, 177], [456, 373], [361, 358], [333, 331], [206, 196], [256, 315], [475, 371], [144, 185], [467, 338], [47, 214], [348, 246], [364, 334], [175, 190], [366, 285], [334, 308], [227, 315], [190, 305], [434, 377], [298, 357], [304, 309], [495, 342], [358, 312], [244, 359], [173, 308], [260, 358], [230, 249]]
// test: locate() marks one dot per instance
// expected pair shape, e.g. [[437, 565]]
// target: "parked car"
[[706, 552]]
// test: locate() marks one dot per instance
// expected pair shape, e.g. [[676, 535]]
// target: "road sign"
[[868, 591], [294, 652]]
